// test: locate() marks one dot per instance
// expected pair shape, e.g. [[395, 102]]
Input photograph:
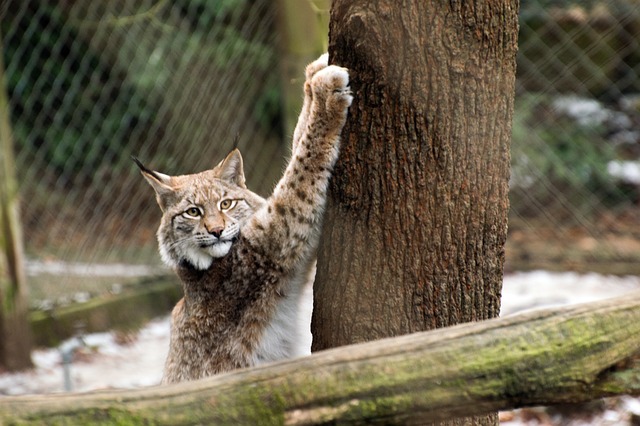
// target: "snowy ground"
[[115, 361]]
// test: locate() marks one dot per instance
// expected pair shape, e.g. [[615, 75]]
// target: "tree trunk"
[[545, 357], [15, 340], [303, 37], [416, 221]]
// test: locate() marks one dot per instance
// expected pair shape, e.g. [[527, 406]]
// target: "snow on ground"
[[626, 171], [102, 362], [107, 360], [528, 290]]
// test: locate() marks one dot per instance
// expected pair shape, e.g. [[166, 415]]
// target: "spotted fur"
[[244, 261]]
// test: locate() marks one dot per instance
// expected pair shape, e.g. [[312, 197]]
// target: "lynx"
[[243, 260]]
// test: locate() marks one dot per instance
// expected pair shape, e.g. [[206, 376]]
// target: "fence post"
[[15, 334], [304, 32]]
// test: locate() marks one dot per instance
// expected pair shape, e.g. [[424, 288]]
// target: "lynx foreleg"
[[303, 118]]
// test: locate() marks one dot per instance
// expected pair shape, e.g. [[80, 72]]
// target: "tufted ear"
[[160, 183], [231, 169]]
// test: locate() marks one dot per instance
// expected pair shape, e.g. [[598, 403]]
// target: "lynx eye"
[[193, 212], [227, 204]]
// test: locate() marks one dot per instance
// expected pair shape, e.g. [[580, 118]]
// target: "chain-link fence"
[[576, 137], [175, 83], [179, 83]]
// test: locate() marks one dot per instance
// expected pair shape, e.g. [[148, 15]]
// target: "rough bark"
[[15, 336], [416, 224], [544, 357], [414, 234]]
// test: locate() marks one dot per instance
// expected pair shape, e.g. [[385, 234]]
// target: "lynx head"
[[203, 213]]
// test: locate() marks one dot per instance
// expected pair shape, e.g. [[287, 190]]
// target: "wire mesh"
[[179, 83], [91, 83], [576, 137]]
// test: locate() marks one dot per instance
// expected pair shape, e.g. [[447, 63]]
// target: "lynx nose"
[[216, 231]]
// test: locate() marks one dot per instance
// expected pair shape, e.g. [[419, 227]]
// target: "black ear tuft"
[[139, 164], [162, 184], [236, 139], [144, 169]]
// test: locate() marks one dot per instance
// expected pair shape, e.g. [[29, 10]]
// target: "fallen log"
[[543, 357]]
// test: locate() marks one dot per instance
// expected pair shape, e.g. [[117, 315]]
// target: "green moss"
[[379, 408], [488, 365], [620, 382], [94, 417], [254, 404]]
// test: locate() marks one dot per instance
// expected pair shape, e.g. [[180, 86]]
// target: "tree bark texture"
[[414, 233], [15, 334], [539, 358], [416, 221]]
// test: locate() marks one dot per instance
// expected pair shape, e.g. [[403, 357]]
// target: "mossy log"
[[543, 357]]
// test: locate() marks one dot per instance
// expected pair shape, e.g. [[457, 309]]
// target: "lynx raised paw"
[[316, 66], [331, 84]]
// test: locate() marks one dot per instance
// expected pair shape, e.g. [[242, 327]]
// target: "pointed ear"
[[231, 169], [160, 183]]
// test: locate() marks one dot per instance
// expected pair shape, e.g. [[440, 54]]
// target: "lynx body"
[[244, 261]]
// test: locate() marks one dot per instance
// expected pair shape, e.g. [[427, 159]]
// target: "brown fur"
[[238, 304]]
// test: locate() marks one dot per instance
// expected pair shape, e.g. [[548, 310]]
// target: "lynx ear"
[[160, 183], [231, 169]]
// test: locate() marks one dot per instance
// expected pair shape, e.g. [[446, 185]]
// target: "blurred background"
[[177, 84], [180, 83]]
